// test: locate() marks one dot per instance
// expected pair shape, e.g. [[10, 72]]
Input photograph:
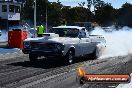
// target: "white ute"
[[63, 41]]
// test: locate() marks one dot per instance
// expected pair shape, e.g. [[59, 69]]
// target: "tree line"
[[104, 13]]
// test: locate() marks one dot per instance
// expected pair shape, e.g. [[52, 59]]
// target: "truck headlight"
[[27, 45], [59, 46]]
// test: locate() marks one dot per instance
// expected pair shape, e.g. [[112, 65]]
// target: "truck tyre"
[[33, 57], [81, 81], [95, 54], [70, 57]]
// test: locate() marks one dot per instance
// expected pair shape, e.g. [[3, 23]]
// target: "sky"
[[114, 3]]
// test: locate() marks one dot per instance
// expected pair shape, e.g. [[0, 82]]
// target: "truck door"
[[85, 43]]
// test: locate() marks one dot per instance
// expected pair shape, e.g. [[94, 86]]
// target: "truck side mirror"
[[80, 36]]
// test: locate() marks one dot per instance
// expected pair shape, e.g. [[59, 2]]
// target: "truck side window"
[[82, 34]]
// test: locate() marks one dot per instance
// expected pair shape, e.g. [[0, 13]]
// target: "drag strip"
[[20, 73]]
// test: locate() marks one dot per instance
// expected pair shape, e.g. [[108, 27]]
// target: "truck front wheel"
[[70, 57], [33, 57]]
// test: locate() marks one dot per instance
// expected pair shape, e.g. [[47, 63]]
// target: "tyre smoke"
[[4, 36], [118, 43]]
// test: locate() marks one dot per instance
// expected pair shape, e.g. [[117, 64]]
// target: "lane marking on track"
[[72, 70], [124, 85]]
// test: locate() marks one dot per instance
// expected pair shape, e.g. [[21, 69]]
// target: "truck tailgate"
[[97, 38]]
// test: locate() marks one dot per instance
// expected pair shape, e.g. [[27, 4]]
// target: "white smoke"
[[118, 43], [4, 36]]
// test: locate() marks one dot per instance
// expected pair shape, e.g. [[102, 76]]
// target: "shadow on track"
[[46, 63], [41, 63]]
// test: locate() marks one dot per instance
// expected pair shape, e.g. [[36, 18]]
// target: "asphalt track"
[[18, 72]]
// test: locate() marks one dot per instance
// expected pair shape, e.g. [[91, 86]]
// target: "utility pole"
[[46, 30], [35, 17]]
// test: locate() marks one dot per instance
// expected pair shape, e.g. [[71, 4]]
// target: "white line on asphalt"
[[125, 85], [72, 70]]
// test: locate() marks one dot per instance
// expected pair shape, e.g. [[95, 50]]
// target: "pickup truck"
[[67, 42]]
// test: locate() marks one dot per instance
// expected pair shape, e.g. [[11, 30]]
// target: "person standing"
[[40, 30], [63, 22]]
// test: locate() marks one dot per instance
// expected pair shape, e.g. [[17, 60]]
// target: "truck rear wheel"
[[95, 54], [33, 57]]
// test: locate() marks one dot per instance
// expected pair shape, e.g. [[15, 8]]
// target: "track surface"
[[18, 72]]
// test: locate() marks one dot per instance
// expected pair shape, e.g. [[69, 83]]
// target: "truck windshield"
[[65, 32]]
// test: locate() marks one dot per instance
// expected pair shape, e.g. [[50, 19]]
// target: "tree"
[[81, 4], [104, 15], [96, 3], [125, 14], [41, 10], [78, 14], [27, 10], [54, 13], [57, 13]]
